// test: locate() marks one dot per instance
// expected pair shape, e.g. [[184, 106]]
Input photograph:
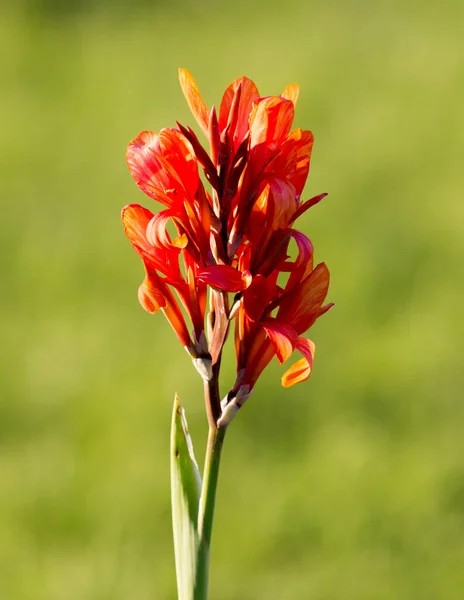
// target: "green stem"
[[206, 509]]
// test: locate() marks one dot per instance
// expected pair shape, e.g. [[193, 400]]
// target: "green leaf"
[[185, 498]]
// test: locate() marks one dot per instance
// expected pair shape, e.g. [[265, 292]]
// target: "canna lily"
[[234, 238], [214, 257]]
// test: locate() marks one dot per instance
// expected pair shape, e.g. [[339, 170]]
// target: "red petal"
[[292, 161], [224, 277], [303, 264], [305, 205], [179, 153], [257, 297], [151, 171], [248, 94], [301, 370], [194, 99], [283, 338]]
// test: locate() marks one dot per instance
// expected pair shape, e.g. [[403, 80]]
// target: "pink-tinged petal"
[[303, 264], [194, 99], [257, 297], [302, 369], [302, 208], [135, 219], [326, 308], [291, 92], [302, 306], [248, 95], [283, 338], [224, 277], [151, 171]]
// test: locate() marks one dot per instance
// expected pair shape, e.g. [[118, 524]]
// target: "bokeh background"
[[350, 486]]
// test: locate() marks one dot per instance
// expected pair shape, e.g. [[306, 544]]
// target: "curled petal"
[[283, 338], [301, 370], [225, 278], [157, 234], [194, 99]]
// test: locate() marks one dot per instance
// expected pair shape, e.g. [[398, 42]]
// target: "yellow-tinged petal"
[[291, 92], [301, 370], [194, 99]]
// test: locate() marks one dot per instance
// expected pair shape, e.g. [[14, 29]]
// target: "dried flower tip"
[[231, 406], [204, 366]]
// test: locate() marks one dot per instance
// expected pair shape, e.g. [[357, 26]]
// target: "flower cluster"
[[221, 252]]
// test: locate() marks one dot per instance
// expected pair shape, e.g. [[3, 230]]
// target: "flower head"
[[232, 237]]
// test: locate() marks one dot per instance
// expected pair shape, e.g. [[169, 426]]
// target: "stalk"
[[206, 509]]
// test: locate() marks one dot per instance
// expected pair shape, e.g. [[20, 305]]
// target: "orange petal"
[[135, 219], [150, 296], [155, 294], [301, 370], [291, 92], [302, 305], [194, 99]]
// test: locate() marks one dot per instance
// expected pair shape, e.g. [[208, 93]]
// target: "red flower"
[[234, 238]]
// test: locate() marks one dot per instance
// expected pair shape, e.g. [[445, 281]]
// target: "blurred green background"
[[350, 486]]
